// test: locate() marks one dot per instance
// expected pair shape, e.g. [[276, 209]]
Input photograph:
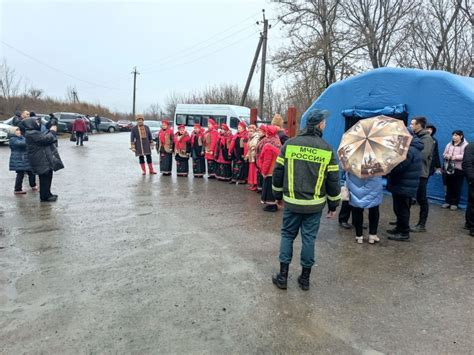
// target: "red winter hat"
[[271, 131], [224, 127], [181, 126], [263, 127], [211, 122], [243, 125], [197, 125], [166, 122]]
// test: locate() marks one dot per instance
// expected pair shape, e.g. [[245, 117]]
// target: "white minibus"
[[190, 114]]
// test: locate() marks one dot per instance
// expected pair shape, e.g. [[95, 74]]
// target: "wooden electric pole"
[[252, 69], [135, 73], [264, 61]]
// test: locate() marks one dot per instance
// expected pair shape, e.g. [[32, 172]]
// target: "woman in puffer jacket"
[[365, 193], [20, 164]]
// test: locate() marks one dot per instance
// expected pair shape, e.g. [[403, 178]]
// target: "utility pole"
[[264, 60], [135, 73], [75, 98], [252, 69]]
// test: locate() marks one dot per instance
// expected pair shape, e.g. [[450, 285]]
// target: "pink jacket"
[[456, 153]]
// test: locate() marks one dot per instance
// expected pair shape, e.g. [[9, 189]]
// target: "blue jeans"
[[292, 222]]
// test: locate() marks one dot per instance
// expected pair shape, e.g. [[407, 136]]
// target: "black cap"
[[316, 116]]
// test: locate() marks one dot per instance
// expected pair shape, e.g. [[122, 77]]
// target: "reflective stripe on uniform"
[[278, 189], [291, 180], [296, 201], [333, 168], [335, 198], [280, 161]]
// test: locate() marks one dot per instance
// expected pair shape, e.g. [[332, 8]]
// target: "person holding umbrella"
[[375, 147]]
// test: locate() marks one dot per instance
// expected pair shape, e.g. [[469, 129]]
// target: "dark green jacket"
[[306, 174], [427, 153]]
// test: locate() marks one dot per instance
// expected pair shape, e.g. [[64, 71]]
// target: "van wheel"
[[111, 129]]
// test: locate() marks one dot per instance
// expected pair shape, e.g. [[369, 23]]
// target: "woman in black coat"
[[43, 156], [19, 163]]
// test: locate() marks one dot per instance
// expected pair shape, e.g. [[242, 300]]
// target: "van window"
[[234, 122], [219, 119], [192, 120], [180, 119], [204, 121]]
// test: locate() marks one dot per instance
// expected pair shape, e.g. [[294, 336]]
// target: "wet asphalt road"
[[128, 264]]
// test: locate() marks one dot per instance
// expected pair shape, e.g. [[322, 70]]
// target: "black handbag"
[[449, 167], [86, 137], [73, 137]]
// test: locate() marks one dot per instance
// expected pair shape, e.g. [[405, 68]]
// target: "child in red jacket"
[[266, 164]]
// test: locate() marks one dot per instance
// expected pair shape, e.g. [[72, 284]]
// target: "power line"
[[206, 55], [187, 53], [56, 69], [218, 34]]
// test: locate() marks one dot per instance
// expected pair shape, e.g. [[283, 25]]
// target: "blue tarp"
[[447, 100], [387, 111]]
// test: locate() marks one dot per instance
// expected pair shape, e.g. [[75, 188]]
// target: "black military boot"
[[303, 279], [280, 280]]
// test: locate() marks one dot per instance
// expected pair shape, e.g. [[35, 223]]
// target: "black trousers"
[[453, 187], [358, 220], [470, 207], [141, 159], [45, 185], [422, 200], [345, 212], [97, 128], [80, 138], [401, 207], [20, 175]]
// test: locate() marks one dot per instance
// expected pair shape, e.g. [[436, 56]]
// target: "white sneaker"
[[453, 208], [373, 239], [445, 205], [360, 240]]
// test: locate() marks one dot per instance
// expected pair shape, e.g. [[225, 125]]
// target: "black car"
[[67, 118]]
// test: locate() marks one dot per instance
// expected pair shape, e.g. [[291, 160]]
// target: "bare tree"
[[318, 38], [437, 37], [154, 112], [378, 25], [35, 93], [9, 82]]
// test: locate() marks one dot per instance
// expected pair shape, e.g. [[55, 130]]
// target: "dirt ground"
[[128, 264]]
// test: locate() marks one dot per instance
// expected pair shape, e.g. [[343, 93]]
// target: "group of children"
[[248, 156]]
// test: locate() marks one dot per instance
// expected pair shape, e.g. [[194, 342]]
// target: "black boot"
[[270, 208], [280, 280], [303, 279]]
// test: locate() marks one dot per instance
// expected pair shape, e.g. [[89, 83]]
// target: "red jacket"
[[210, 143], [267, 159], [79, 125]]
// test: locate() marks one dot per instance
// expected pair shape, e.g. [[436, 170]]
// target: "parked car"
[[44, 119], [125, 125], [155, 127], [67, 119], [4, 133], [106, 125]]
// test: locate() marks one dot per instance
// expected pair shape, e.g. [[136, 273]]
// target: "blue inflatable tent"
[[447, 100]]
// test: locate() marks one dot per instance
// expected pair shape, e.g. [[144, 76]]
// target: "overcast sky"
[[178, 46]]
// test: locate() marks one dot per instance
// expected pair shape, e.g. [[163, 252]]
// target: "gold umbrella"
[[374, 146]]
